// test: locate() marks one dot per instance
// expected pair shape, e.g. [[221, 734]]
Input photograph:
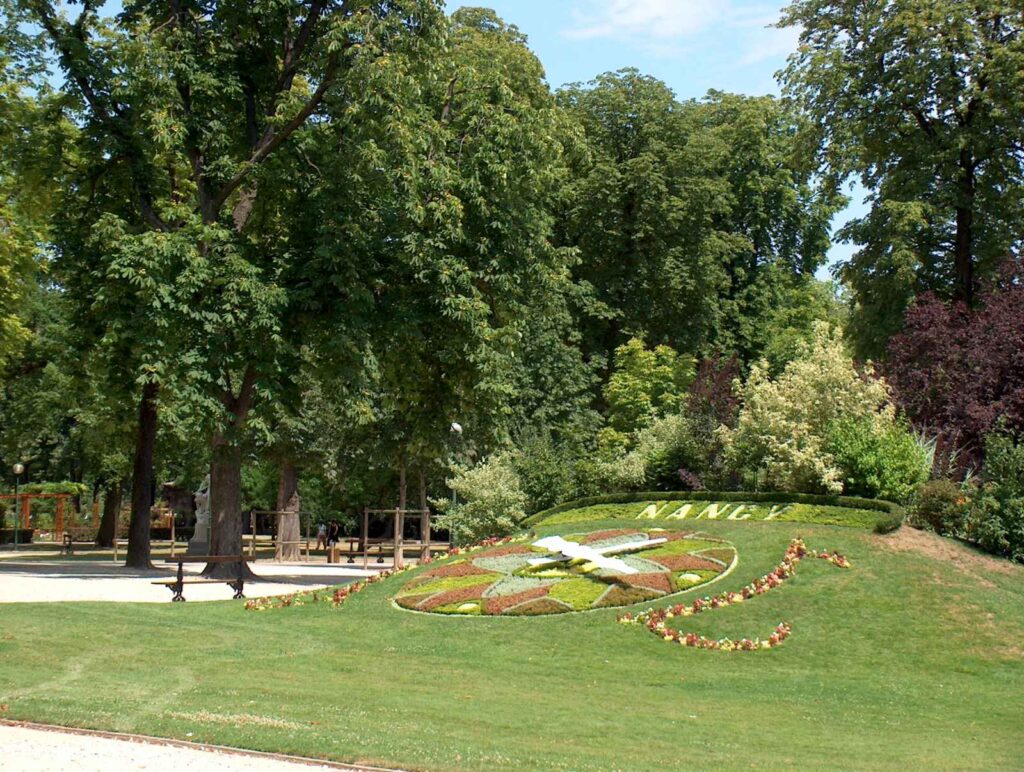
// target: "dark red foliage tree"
[[711, 399], [958, 372]]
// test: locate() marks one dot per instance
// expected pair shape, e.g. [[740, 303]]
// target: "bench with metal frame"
[[177, 585]]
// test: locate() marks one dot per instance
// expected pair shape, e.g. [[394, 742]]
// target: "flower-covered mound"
[[501, 580]]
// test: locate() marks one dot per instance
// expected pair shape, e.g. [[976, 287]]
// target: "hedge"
[[892, 513]]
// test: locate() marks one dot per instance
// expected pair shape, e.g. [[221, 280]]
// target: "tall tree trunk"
[[142, 479], [963, 254], [112, 495], [424, 517], [225, 507], [226, 483], [289, 530], [403, 498]]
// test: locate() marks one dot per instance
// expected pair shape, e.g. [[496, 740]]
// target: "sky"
[[692, 45]]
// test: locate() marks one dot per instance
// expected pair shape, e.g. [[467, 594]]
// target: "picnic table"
[[177, 585]]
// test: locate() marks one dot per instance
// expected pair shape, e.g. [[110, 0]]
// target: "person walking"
[[321, 536], [333, 534]]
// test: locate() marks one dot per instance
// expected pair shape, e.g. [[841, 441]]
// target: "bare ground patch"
[[205, 717], [960, 556]]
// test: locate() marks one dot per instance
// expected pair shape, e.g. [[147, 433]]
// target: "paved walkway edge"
[[166, 741]]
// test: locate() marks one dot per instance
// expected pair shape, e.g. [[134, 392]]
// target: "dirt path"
[[79, 580], [31, 749]]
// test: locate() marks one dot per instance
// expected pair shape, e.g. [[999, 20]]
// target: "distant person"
[[333, 535], [321, 536]]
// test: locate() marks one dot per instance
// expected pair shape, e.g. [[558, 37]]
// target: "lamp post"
[[18, 470]]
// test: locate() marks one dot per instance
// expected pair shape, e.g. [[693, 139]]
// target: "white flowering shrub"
[[781, 438], [488, 500]]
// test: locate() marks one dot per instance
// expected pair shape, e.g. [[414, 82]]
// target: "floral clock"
[[577, 572]]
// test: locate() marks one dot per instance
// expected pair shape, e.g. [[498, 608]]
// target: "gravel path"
[[31, 750], [80, 580]]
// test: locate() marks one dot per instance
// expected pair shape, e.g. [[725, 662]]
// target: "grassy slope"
[[902, 661]]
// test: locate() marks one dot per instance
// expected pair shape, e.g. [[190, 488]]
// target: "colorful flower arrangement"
[[498, 577], [655, 619], [337, 597]]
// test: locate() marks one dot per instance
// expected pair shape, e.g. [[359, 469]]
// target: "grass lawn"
[[913, 658]]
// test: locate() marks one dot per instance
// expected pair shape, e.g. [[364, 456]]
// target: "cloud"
[[659, 19], [672, 27]]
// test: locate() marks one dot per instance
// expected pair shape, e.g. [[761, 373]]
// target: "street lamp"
[[19, 470]]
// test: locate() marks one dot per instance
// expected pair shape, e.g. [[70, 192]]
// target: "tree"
[[921, 100], [191, 103], [692, 219], [959, 372], [645, 384]]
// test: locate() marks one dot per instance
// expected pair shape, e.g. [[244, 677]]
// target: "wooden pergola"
[[399, 545], [26, 508]]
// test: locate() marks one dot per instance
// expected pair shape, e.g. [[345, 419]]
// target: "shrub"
[[645, 384], [546, 472], [941, 505], [489, 501], [662, 450], [878, 459], [958, 370], [780, 439], [996, 517]]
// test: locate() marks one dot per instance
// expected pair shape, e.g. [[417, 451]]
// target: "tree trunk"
[[226, 483], [142, 478], [225, 507], [107, 532], [424, 517], [288, 530], [403, 498], [963, 254]]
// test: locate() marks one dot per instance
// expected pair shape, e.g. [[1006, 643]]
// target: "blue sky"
[[692, 45]]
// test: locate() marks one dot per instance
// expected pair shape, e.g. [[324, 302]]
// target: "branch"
[[111, 116], [272, 139]]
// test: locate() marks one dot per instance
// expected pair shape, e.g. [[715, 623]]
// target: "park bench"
[[177, 585]]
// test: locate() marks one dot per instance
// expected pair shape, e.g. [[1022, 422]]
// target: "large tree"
[[693, 219], [920, 100], [184, 104]]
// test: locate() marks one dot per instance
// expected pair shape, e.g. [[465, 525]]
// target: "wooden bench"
[[177, 585]]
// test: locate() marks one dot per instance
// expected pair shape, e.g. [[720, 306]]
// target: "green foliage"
[[941, 505], [72, 488], [781, 440], [644, 384], [996, 517], [921, 100], [546, 472], [488, 500], [660, 450], [878, 461], [693, 218]]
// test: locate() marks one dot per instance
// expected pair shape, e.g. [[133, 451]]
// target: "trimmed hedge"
[[891, 514]]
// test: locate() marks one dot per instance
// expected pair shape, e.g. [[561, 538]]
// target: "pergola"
[[399, 545], [26, 508]]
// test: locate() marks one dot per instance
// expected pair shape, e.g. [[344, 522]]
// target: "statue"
[[199, 544]]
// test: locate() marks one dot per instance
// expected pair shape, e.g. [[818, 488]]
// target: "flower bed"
[[655, 619], [504, 582]]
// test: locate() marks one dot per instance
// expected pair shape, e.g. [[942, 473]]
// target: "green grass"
[[903, 661]]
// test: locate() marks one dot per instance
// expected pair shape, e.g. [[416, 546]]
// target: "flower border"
[[654, 619]]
